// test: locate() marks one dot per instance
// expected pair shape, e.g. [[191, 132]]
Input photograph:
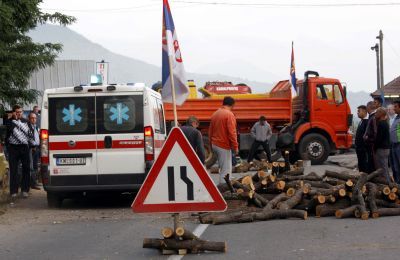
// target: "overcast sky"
[[250, 38]]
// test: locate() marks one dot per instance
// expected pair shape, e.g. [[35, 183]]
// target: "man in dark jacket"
[[361, 148], [382, 142], [370, 135], [194, 136]]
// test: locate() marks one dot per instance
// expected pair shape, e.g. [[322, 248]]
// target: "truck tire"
[[54, 200], [211, 158], [314, 147]]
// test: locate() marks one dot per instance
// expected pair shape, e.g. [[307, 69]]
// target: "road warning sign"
[[178, 182]]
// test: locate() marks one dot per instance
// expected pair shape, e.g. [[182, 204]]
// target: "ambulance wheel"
[[211, 158], [314, 147], [54, 200]]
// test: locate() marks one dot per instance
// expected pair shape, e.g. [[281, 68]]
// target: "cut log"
[[293, 201], [282, 167], [344, 175], [372, 190], [349, 183], [287, 161], [167, 232], [229, 183], [301, 177], [247, 180], [290, 192], [386, 204], [260, 175], [346, 212], [319, 184], [324, 210], [333, 181], [185, 234], [275, 168], [272, 203], [294, 184], [263, 216], [357, 189], [389, 212], [193, 246], [392, 196]]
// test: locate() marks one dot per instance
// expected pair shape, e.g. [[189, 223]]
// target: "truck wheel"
[[314, 147], [54, 200], [211, 158]]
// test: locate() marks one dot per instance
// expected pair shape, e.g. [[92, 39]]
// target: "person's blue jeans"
[[395, 161]]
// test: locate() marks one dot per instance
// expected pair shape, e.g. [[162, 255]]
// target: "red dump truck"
[[311, 126]]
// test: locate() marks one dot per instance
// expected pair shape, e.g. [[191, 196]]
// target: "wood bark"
[[272, 203], [324, 210], [262, 216], [293, 201], [389, 212], [372, 190], [346, 212], [193, 246], [344, 175]]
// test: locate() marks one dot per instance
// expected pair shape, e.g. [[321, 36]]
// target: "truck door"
[[329, 107], [120, 141], [72, 140]]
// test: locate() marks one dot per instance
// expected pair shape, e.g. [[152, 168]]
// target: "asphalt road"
[[106, 228]]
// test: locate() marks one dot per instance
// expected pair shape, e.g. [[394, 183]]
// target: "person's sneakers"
[[237, 165], [13, 198], [25, 195]]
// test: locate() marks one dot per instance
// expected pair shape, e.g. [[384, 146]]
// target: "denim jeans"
[[395, 161]]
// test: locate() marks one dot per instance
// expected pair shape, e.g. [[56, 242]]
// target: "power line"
[[391, 47], [290, 5], [102, 10]]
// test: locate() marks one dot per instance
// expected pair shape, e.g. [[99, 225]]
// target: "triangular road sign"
[[178, 181]]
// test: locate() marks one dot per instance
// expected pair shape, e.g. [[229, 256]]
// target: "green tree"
[[19, 55]]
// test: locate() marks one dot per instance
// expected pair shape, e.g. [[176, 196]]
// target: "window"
[[324, 92], [161, 115], [68, 116], [119, 114], [338, 94]]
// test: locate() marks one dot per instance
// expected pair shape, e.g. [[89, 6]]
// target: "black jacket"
[[382, 140], [196, 140], [359, 141]]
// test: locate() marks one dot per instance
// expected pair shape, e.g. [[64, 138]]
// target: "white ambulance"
[[98, 138]]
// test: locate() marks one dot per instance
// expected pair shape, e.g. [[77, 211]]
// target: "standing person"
[[382, 142], [34, 151], [19, 136], [378, 102], [370, 135], [391, 113], [38, 117], [194, 137], [223, 137], [395, 143], [261, 132], [361, 148]]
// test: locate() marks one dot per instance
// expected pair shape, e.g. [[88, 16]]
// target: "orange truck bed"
[[277, 109]]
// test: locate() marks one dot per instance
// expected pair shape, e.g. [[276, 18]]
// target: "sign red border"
[[176, 136]]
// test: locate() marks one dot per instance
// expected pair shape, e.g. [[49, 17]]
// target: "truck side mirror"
[[345, 91]]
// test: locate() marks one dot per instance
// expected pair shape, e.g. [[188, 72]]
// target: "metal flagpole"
[[176, 216], [171, 75]]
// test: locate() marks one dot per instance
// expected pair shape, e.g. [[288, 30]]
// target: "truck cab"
[[321, 118]]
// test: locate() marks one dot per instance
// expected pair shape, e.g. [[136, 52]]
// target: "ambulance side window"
[[161, 116], [71, 115], [156, 115], [119, 114]]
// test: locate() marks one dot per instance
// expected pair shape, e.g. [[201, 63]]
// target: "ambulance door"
[[72, 139], [120, 144]]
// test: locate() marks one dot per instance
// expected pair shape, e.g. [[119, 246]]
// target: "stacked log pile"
[[274, 194]]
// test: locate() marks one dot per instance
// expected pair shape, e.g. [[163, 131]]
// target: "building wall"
[[63, 73]]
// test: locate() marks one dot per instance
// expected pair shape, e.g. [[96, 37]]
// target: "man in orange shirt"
[[223, 137]]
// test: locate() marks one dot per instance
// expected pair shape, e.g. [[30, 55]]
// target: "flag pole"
[[171, 75]]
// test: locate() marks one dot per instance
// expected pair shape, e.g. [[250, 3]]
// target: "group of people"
[[223, 139], [377, 138], [22, 150]]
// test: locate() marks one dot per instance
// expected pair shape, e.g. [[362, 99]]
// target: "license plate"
[[71, 161]]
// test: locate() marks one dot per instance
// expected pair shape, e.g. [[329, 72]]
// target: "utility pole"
[[380, 37], [378, 82]]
